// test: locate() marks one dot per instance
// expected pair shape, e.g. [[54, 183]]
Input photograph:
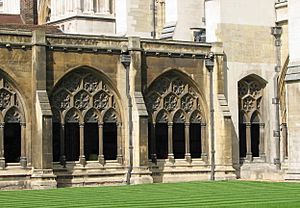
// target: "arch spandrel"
[[111, 116]]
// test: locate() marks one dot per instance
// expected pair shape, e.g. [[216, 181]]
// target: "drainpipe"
[[125, 60], [276, 32], [209, 63]]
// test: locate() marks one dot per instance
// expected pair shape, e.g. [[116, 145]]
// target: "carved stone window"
[[12, 125], [251, 128], [171, 101], [87, 100]]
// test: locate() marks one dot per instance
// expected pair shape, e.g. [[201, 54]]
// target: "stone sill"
[[280, 5]]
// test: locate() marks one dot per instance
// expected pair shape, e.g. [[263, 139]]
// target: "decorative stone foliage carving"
[[250, 96], [82, 97], [10, 103], [171, 93]]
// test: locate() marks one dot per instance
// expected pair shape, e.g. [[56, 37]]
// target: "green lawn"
[[197, 194]]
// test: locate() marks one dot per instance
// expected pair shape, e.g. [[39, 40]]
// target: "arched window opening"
[[161, 137], [72, 141], [12, 142], [110, 141], [89, 120], [174, 96], [56, 126], [12, 126], [251, 127], [91, 141], [195, 140]]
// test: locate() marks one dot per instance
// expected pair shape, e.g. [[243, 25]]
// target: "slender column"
[[248, 142], [53, 8], [107, 7], [262, 141], [97, 6], [81, 151], [2, 159], [204, 143], [284, 141], [88, 6], [23, 159], [153, 144], [170, 142], [187, 142], [119, 137], [100, 136], [62, 145], [78, 6]]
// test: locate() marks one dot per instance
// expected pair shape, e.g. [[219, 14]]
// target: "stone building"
[[99, 92]]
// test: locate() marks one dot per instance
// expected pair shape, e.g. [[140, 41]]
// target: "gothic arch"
[[251, 126], [171, 99], [87, 97], [12, 123]]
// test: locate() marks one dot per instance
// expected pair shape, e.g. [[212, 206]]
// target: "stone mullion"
[[119, 143], [248, 142], [81, 140], [170, 142], [262, 140], [2, 159], [23, 159], [153, 143], [100, 136], [187, 141], [62, 145], [204, 143]]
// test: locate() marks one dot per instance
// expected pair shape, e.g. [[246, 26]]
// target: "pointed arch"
[[162, 117], [179, 116], [90, 100], [250, 95]]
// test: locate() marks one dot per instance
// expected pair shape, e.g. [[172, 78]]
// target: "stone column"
[[81, 141], [53, 8], [2, 159], [119, 150], [62, 145], [248, 142], [187, 142], [23, 159], [153, 144], [101, 155], [262, 154], [98, 6], [107, 7], [78, 7], [170, 142], [204, 143]]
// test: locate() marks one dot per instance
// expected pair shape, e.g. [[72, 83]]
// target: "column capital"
[[248, 124], [2, 124], [187, 124], [81, 125], [203, 125], [170, 124], [100, 124], [23, 124], [262, 125]]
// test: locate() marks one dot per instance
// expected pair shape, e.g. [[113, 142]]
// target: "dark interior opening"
[[91, 141], [72, 141], [161, 137], [12, 142], [195, 140], [255, 140], [56, 141], [178, 140], [243, 144], [110, 141], [150, 150]]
